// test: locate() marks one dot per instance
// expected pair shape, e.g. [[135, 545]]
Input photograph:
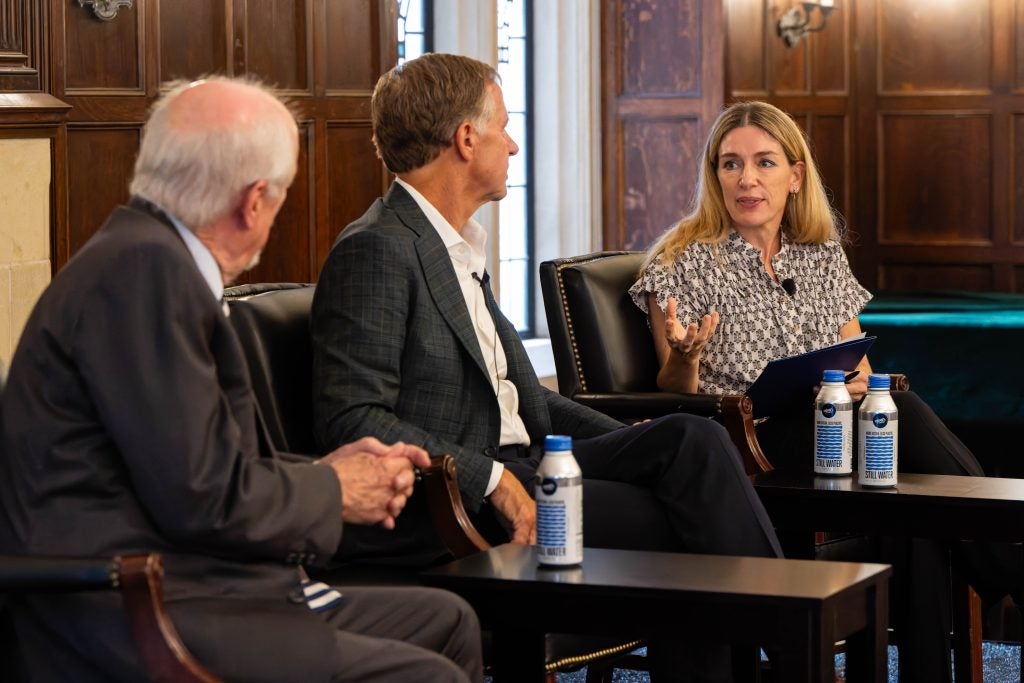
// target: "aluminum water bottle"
[[559, 498], [879, 428], [833, 426]]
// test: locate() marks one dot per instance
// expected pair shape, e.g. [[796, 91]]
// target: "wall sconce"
[[105, 9], [795, 23]]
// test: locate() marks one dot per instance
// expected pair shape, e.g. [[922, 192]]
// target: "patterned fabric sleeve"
[[849, 296], [672, 280], [648, 282]]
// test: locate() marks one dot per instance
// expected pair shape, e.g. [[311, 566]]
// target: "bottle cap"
[[878, 381], [834, 376], [557, 442]]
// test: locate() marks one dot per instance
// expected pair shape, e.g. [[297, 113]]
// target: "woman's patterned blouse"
[[758, 320]]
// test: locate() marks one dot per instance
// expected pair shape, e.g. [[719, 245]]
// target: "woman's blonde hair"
[[808, 217]]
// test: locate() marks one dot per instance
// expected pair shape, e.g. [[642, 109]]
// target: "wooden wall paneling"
[[939, 47], [193, 39], [662, 73], [110, 73], [928, 100], [832, 54], [923, 277], [1016, 180], [353, 57], [22, 54], [354, 173], [829, 136], [1017, 21], [102, 57], [277, 42], [921, 157], [101, 157], [745, 61]]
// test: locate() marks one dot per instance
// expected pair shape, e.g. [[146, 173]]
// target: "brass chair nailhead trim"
[[568, 318], [592, 656]]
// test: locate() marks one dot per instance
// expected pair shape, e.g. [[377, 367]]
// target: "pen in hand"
[[850, 376]]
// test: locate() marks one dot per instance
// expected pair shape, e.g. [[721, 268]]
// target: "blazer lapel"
[[438, 272]]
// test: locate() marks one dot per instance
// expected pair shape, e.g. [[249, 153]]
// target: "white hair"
[[198, 173]]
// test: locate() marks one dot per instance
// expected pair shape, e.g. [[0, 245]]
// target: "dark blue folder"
[[787, 383]]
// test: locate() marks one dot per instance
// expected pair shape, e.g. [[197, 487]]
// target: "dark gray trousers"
[[375, 634]]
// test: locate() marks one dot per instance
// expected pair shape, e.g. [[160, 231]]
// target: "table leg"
[[867, 651], [518, 656]]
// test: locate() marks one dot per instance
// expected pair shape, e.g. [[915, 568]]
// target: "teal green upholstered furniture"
[[965, 353]]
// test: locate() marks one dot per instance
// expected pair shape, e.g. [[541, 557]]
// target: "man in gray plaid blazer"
[[409, 345]]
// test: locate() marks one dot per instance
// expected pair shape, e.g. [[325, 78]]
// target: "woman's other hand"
[[858, 386]]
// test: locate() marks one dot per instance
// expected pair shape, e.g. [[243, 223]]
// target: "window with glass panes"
[[515, 214], [414, 28]]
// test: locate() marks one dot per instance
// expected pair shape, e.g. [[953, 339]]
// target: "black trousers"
[[675, 483], [920, 589]]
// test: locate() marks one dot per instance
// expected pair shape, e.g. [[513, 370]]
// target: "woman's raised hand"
[[688, 340]]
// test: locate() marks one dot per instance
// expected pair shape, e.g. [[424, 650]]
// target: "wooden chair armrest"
[[166, 658], [138, 577], [451, 520], [899, 382]]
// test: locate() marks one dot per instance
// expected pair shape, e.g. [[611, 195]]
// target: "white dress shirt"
[[468, 255]]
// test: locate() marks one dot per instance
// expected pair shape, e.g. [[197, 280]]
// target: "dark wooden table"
[[935, 506], [798, 607], [924, 505]]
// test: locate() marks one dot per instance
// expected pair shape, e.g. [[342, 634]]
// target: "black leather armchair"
[[604, 354]]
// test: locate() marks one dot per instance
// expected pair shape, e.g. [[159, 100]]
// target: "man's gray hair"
[[199, 173]]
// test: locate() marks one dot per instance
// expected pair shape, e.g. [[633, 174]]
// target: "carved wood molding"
[[105, 9], [31, 109]]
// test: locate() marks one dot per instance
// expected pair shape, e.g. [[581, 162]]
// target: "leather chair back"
[[272, 322], [600, 339]]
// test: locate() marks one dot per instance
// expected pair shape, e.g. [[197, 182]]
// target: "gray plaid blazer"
[[395, 355]]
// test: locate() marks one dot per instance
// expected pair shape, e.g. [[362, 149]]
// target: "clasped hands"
[[688, 340], [376, 480]]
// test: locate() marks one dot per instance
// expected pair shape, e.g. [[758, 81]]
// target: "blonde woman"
[[756, 271]]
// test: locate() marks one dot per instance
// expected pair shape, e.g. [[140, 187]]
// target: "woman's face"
[[756, 178]]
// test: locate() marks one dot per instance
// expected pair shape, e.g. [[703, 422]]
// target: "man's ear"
[[465, 140], [252, 201]]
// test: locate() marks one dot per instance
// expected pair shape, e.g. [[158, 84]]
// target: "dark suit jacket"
[[128, 424], [396, 357]]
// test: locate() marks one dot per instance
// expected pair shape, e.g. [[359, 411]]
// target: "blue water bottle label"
[[878, 450]]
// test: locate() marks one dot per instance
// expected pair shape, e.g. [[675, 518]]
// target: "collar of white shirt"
[[473, 236], [203, 257]]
